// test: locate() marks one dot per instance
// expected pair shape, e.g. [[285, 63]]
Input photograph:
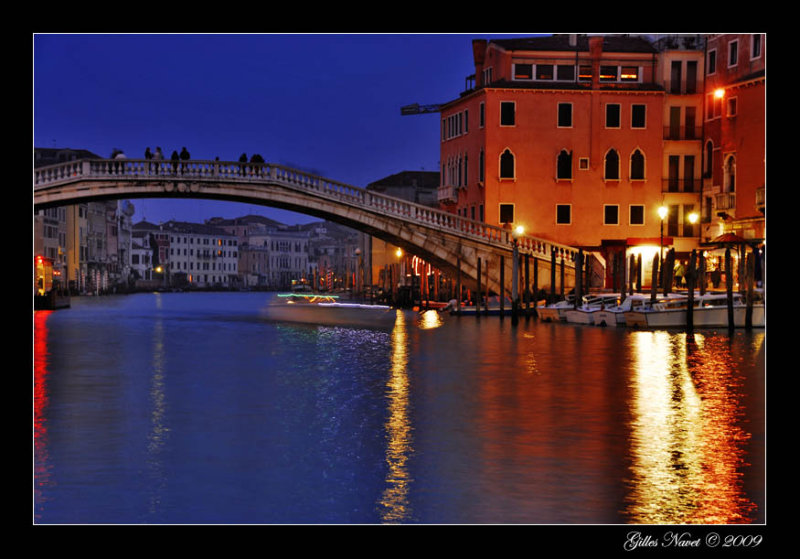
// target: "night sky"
[[324, 103]]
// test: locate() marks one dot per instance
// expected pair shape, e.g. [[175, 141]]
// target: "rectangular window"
[[733, 53], [565, 73], [482, 115], [585, 73], [755, 46], [629, 74], [506, 213], [563, 214], [637, 215], [565, 115], [608, 73], [507, 113], [544, 72], [638, 114], [610, 215], [711, 63], [523, 71], [691, 76], [731, 107], [612, 115]]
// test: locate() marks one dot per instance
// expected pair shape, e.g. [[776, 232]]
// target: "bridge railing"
[[230, 171]]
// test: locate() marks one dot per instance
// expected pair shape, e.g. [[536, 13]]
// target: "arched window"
[[612, 165], [730, 174], [506, 165], [637, 166], [564, 167], [709, 159]]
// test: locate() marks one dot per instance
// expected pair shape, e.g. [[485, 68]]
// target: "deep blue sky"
[[326, 103]]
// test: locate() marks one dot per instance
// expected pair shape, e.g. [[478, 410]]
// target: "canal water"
[[186, 408]]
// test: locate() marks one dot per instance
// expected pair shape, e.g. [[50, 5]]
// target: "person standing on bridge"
[[148, 155], [242, 159], [184, 157], [157, 157], [256, 158], [174, 157]]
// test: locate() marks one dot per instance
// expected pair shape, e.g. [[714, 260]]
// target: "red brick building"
[[563, 135], [734, 179]]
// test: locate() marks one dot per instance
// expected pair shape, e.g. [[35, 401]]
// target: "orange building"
[[565, 135], [734, 147]]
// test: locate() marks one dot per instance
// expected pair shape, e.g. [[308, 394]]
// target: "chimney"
[[595, 51], [573, 40]]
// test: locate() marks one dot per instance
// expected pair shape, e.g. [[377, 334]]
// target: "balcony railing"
[[680, 185], [725, 201], [683, 133], [447, 194]]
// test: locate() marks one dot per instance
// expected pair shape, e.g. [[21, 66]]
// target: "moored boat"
[[708, 311], [328, 310], [586, 312], [615, 315], [556, 312]]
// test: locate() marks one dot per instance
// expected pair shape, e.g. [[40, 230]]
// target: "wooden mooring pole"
[[729, 286], [690, 277]]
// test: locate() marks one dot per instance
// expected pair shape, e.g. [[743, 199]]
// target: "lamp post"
[[515, 235]]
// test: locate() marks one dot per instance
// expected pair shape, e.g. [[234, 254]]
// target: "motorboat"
[[556, 312], [328, 310], [709, 310], [591, 304], [615, 315]]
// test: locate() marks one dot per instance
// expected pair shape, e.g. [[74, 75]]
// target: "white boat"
[[557, 311], [327, 310], [585, 313], [709, 311], [615, 315]]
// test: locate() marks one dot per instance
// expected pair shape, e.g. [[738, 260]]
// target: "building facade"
[[734, 144], [586, 140]]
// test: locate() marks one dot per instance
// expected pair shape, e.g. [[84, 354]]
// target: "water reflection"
[[42, 467], [156, 438], [394, 503], [687, 442]]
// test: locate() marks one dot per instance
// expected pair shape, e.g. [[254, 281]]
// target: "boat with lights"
[[328, 310], [709, 310]]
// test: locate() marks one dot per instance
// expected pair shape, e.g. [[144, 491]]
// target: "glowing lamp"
[[662, 212], [693, 217], [719, 93]]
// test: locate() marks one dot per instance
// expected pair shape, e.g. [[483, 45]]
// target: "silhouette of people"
[[175, 158], [242, 159], [148, 155], [157, 156], [184, 157], [256, 158], [119, 167]]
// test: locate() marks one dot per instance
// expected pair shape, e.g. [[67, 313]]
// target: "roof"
[[51, 156], [419, 179], [611, 43]]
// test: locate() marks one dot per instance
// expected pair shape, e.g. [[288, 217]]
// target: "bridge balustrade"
[[233, 172]]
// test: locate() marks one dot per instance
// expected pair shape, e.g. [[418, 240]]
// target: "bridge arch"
[[448, 241]]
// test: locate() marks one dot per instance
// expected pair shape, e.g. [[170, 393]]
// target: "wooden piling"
[[578, 279], [750, 278], [502, 285], [478, 292], [701, 273], [729, 287], [535, 284], [527, 285], [562, 278], [654, 280], [458, 286], [639, 274], [552, 275], [690, 277]]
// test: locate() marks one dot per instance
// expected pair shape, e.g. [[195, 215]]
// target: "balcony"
[[447, 194], [680, 185], [761, 198], [725, 201], [683, 133]]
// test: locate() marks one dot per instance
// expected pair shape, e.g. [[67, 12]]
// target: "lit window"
[[523, 71]]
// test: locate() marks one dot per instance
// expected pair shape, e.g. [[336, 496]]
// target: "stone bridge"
[[448, 241]]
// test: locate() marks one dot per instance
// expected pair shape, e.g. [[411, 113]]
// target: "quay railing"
[[138, 170]]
